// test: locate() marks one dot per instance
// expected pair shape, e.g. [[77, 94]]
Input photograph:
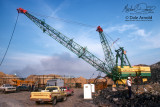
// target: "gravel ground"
[[21, 99]]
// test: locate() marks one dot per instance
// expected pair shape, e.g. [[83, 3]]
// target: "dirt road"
[[21, 99]]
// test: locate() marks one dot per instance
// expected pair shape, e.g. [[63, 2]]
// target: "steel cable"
[[65, 20], [9, 41]]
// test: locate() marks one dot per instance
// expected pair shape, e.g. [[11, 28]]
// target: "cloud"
[[27, 58], [140, 32], [134, 29], [152, 42], [66, 64], [120, 28], [60, 7], [53, 10], [134, 35], [61, 64], [91, 40]]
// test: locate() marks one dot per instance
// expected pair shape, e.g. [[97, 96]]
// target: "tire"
[[54, 101], [72, 93], [37, 102], [4, 91], [18, 90], [64, 98]]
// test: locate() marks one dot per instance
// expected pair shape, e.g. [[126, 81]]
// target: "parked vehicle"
[[50, 94], [68, 90], [7, 88], [22, 88], [55, 82]]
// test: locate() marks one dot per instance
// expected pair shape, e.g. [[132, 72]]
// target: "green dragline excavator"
[[109, 66]]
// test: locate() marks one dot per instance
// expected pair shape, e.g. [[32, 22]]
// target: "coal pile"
[[155, 72], [109, 98]]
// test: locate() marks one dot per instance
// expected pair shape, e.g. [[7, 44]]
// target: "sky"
[[33, 52]]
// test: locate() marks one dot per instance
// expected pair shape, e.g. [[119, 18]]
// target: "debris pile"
[[155, 72], [110, 98]]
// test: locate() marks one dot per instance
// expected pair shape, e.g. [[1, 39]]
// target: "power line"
[[9, 41]]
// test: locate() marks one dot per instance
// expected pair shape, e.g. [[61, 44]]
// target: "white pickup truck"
[[7, 88]]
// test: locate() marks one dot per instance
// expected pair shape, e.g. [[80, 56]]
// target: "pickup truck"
[[7, 88], [50, 94], [68, 90]]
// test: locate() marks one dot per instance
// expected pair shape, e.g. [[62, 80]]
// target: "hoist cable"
[[92, 75], [65, 20], [111, 39], [9, 41]]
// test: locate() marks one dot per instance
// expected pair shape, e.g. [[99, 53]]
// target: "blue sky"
[[34, 52]]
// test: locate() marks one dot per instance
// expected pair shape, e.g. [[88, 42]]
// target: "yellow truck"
[[50, 94]]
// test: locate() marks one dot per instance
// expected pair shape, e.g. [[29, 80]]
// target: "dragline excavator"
[[110, 66]]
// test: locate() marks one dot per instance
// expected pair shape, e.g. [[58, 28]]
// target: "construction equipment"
[[109, 67], [120, 73], [22, 82]]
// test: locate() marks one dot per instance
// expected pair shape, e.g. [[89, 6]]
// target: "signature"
[[141, 8]]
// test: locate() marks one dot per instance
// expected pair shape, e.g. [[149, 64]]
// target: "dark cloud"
[[61, 64]]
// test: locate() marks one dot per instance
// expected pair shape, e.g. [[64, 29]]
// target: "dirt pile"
[[1, 77], [6, 78], [110, 98], [81, 80], [155, 72], [2, 74], [41, 79], [107, 80]]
